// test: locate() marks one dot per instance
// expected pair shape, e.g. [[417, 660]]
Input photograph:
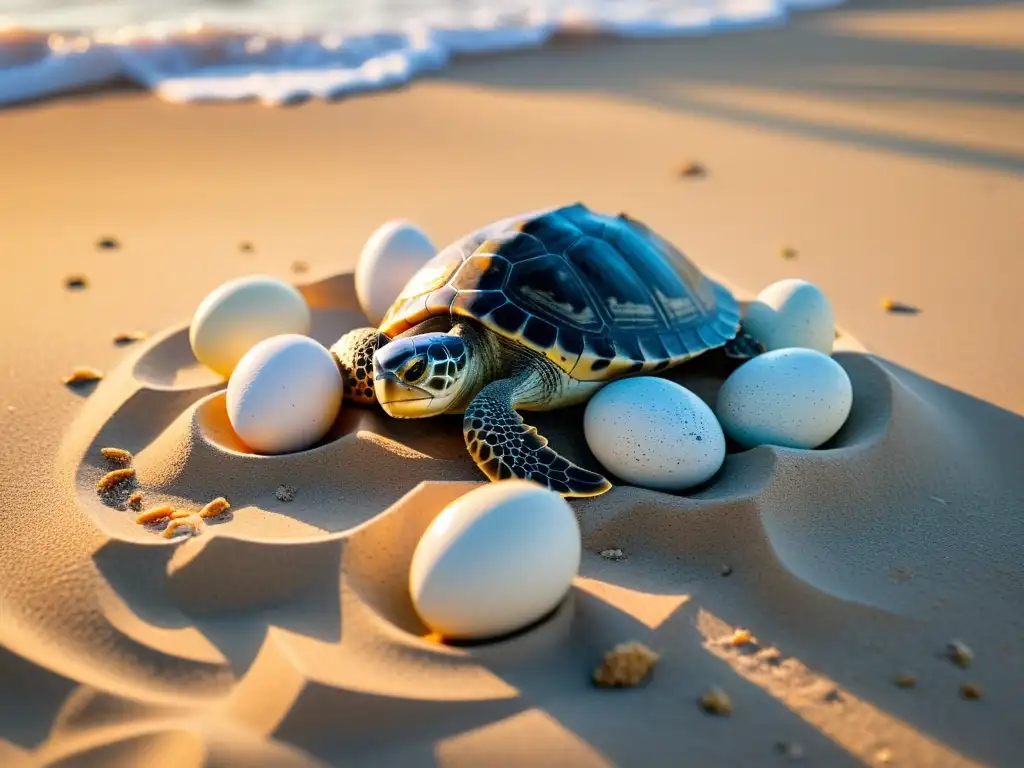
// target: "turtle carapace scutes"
[[536, 313]]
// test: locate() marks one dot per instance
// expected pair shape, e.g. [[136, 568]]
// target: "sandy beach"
[[882, 143]]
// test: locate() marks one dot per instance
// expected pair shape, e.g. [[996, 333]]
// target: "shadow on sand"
[[816, 78]]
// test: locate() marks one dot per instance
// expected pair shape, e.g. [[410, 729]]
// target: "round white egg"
[[392, 255], [792, 313], [654, 433], [495, 560], [241, 312], [284, 394], [796, 398]]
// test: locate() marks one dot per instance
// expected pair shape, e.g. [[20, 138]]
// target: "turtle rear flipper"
[[743, 346], [504, 447]]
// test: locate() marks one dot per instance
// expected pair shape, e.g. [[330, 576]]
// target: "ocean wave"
[[192, 62]]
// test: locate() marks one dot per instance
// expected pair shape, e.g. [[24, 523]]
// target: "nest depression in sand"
[[293, 605]]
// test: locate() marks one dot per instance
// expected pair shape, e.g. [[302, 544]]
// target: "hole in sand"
[[368, 460], [508, 637], [439, 438], [377, 562], [215, 426], [170, 364], [212, 420], [871, 413]]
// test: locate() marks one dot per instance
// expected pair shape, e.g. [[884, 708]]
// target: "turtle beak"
[[394, 395], [399, 400]]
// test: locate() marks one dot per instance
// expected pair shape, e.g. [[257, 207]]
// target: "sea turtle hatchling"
[[536, 313]]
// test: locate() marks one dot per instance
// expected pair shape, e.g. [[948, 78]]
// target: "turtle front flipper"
[[504, 447], [354, 353]]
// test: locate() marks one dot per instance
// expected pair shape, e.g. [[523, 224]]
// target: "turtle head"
[[420, 375]]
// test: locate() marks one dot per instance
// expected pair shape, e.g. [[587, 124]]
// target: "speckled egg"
[[495, 560], [792, 313], [284, 394], [391, 256], [796, 398], [654, 433], [241, 312]]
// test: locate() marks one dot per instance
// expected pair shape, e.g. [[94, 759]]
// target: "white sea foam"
[[267, 60]]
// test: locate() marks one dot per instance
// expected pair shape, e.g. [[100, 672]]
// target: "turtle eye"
[[415, 370]]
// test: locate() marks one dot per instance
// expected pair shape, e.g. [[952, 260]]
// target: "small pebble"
[[82, 375], [156, 514], [123, 339], [107, 243], [285, 493], [117, 455], [193, 522], [902, 574], [741, 637], [833, 695], [716, 702], [905, 680], [794, 750], [788, 253], [112, 479], [216, 507], [725, 570], [613, 554], [959, 653], [692, 170], [970, 692], [898, 307], [76, 281], [625, 665]]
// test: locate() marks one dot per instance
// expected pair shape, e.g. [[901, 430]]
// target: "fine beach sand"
[[884, 144]]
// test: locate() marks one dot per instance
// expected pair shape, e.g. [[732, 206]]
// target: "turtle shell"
[[600, 296]]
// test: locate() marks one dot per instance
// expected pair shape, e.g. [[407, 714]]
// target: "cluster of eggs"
[[284, 388], [467, 581], [285, 391], [658, 434]]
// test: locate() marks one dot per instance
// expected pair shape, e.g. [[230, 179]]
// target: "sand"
[[884, 147]]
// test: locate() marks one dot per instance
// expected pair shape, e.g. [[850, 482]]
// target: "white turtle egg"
[[654, 433], [792, 313], [796, 398], [495, 560], [284, 394], [241, 312], [391, 256]]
